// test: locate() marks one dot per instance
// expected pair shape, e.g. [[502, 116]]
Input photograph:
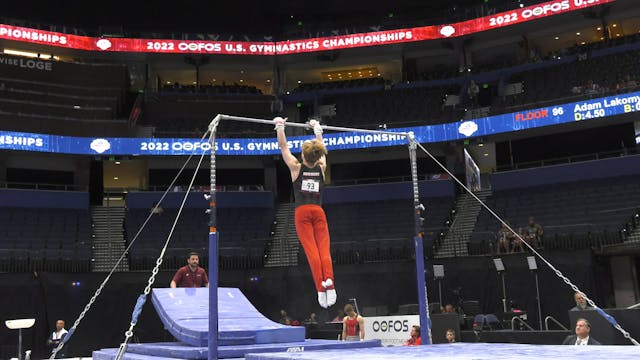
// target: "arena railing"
[[593, 236], [565, 99], [43, 186], [569, 159], [376, 180]]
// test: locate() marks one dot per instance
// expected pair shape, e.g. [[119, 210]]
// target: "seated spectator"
[[533, 233], [284, 318], [339, 317], [505, 240], [448, 309], [577, 90], [450, 335], [156, 209], [581, 302], [415, 339], [583, 330], [473, 91], [591, 88], [517, 241], [312, 320], [629, 82]]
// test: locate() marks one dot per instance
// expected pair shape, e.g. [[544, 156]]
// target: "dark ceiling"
[[242, 17]]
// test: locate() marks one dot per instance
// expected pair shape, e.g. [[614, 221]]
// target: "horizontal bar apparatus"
[[303, 125]]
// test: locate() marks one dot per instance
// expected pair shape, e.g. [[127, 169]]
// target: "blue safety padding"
[[170, 349], [110, 354], [138, 308], [460, 351], [184, 351], [185, 314]]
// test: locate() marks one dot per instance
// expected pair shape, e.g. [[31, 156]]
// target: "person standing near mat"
[[56, 337], [310, 220], [190, 275], [352, 325]]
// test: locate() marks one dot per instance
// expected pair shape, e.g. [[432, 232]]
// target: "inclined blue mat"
[[183, 351], [464, 351], [185, 314]]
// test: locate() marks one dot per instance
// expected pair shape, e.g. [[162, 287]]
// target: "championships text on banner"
[[386, 37], [588, 110]]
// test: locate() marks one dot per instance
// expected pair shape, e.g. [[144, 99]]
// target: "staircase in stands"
[[108, 237], [456, 240], [634, 236], [285, 246]]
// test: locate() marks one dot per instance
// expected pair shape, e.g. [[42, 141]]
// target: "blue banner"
[[529, 119]]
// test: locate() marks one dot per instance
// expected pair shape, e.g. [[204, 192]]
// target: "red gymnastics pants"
[[311, 226]]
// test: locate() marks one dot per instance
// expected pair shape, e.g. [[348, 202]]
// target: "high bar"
[[302, 125]]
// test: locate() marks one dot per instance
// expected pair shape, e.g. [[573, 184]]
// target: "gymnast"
[[311, 222]]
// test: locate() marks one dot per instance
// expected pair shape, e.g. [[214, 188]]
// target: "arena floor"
[[466, 351]]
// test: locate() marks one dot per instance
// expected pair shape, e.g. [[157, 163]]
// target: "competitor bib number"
[[309, 185]]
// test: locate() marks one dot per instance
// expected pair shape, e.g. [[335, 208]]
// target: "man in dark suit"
[[583, 329]]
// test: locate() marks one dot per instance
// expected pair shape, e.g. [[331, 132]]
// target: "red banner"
[[377, 38]]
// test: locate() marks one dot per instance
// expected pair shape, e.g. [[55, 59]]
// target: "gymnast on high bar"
[[311, 222]]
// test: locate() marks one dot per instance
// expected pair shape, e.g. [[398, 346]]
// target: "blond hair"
[[313, 150]]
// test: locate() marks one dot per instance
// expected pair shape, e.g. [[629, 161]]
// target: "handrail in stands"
[[513, 323], [546, 323]]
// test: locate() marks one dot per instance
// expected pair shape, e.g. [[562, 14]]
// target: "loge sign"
[[588, 110], [431, 32]]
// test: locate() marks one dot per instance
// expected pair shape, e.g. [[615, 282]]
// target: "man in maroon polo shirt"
[[191, 275]]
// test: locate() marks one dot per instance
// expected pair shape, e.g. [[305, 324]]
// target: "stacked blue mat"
[[241, 329]]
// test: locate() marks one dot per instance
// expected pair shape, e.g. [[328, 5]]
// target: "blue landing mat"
[[465, 351], [110, 354], [185, 314], [174, 350]]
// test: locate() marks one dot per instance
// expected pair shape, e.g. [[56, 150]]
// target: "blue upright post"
[[213, 251], [423, 303]]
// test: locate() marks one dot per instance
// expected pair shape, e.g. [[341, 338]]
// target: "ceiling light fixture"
[[20, 53]]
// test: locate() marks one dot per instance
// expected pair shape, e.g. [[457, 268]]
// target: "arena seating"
[[574, 214], [375, 231], [43, 101], [341, 84], [33, 239], [373, 102], [399, 106], [211, 89], [421, 102], [185, 114], [58, 101], [244, 236], [552, 83]]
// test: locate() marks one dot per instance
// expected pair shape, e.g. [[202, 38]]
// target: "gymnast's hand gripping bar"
[[304, 125]]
